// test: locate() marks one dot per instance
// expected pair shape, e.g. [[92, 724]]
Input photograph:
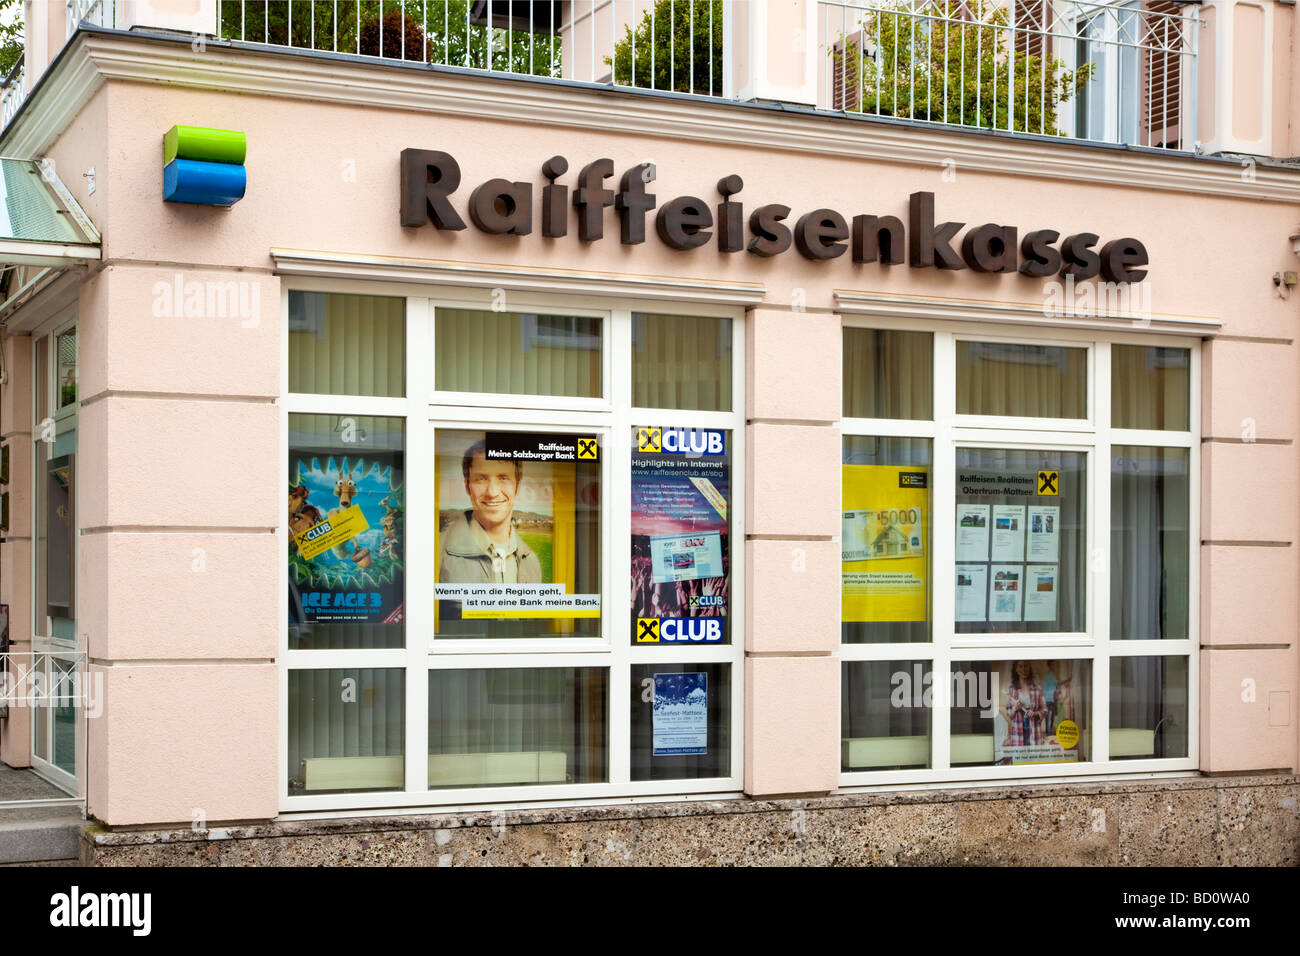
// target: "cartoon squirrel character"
[[345, 489]]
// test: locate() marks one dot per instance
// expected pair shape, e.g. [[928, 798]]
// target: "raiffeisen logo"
[[679, 630], [681, 441], [76, 909]]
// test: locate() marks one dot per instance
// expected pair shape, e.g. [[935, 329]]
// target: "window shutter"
[[846, 74], [1161, 72]]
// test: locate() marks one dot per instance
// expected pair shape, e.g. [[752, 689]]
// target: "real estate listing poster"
[[1005, 592], [972, 532], [1044, 533], [883, 549], [1008, 537], [972, 592], [1041, 586]]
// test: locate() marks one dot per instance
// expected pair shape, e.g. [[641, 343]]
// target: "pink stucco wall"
[[192, 699]]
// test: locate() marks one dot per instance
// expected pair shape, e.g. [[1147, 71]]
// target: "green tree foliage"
[[684, 55], [954, 64], [11, 34], [435, 31]]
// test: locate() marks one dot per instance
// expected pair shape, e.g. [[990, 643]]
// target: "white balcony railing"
[[1110, 72], [11, 93], [1104, 70], [662, 45]]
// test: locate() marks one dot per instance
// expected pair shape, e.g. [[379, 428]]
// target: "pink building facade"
[[878, 504]]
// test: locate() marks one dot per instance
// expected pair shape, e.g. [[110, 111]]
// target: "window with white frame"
[[509, 550], [1018, 537]]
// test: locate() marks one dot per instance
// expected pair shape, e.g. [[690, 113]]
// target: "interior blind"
[[347, 344], [517, 353]]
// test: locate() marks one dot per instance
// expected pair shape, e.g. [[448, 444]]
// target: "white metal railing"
[[62, 695], [11, 93], [649, 44], [102, 13], [1115, 72]]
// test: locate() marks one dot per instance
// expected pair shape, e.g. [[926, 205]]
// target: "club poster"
[[681, 502], [681, 714], [1041, 708], [883, 545], [346, 550]]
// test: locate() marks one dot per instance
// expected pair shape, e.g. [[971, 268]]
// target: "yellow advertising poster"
[[884, 543], [332, 532]]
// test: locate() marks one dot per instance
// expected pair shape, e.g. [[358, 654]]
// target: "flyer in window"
[[1005, 592], [972, 588], [346, 560], [681, 714], [1008, 537], [883, 569], [508, 544], [1041, 710], [1044, 533], [1041, 582], [681, 501], [972, 532]]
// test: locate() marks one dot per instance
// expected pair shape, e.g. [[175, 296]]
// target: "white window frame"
[[46, 648], [424, 409], [1095, 435]]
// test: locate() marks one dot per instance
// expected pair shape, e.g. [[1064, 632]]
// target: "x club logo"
[[649, 439]]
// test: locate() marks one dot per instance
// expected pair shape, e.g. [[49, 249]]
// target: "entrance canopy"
[[42, 229]]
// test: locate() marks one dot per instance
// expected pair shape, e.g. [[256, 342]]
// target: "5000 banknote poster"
[[883, 543], [345, 554]]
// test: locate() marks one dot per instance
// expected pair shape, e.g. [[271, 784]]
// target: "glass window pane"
[[347, 344], [1150, 387], [518, 540], [1022, 381], [681, 362], [885, 715], [885, 540], [1020, 712], [347, 549], [1021, 538], [43, 700], [64, 691], [1148, 707], [681, 721], [681, 536], [515, 726], [66, 368], [1150, 494], [346, 730], [888, 374], [517, 353]]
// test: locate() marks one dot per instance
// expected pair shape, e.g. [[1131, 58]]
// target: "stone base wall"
[[1195, 821]]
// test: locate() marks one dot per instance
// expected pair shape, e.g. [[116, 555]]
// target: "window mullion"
[[1100, 556], [943, 536], [421, 519], [618, 531]]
